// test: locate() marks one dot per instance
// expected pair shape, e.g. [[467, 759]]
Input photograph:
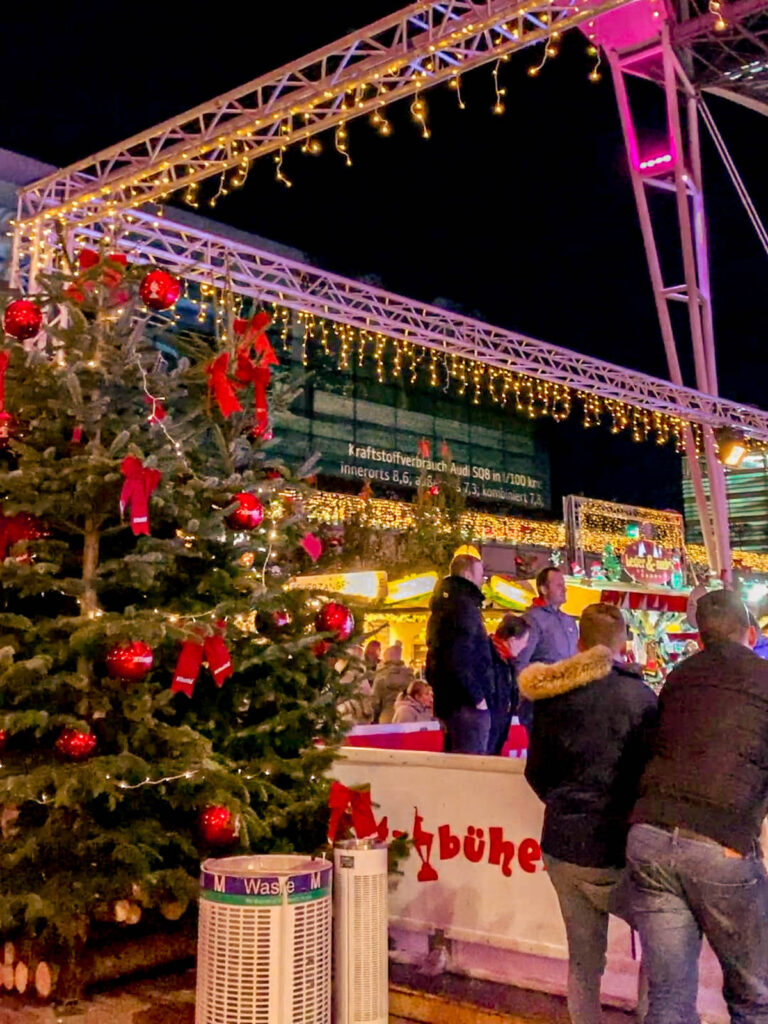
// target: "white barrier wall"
[[475, 886]]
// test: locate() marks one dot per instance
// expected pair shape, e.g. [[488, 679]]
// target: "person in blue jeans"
[[693, 848], [588, 747]]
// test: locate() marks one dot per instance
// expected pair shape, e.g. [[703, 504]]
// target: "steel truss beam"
[[411, 50], [248, 270], [681, 174]]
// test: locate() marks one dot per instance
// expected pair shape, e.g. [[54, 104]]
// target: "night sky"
[[526, 220]]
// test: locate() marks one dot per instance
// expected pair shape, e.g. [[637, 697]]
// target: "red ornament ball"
[[23, 319], [76, 745], [132, 661], [434, 490], [87, 258], [160, 290], [249, 514], [281, 618], [218, 826], [335, 618]]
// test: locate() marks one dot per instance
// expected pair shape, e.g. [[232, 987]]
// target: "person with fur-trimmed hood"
[[587, 750]]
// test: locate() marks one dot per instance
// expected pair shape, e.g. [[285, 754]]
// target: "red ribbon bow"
[[139, 484], [157, 412], [5, 417], [214, 649], [254, 358], [221, 386], [357, 804]]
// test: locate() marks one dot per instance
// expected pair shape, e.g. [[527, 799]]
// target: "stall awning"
[[647, 601]]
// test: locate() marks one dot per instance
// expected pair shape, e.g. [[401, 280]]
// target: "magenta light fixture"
[[658, 161]]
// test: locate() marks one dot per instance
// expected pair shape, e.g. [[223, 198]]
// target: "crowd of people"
[[653, 807], [383, 689]]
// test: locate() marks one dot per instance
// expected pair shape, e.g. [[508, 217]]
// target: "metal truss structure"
[[411, 50], [723, 48], [733, 61], [222, 262]]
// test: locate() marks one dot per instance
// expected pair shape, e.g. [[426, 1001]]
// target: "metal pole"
[[697, 300], [662, 308]]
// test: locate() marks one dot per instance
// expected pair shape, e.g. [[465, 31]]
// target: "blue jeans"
[[683, 887], [468, 731], [586, 897]]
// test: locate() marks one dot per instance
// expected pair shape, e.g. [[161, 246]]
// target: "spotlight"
[[732, 448]]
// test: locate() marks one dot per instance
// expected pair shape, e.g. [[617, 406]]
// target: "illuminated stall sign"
[[647, 562]]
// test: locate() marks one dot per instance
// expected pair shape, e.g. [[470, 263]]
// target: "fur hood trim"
[[540, 681]]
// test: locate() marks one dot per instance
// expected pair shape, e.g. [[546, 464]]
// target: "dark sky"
[[526, 219]]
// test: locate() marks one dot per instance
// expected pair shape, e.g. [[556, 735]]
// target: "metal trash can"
[[361, 948], [264, 941]]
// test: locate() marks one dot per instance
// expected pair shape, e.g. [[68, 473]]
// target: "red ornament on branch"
[[160, 290], [218, 826], [3, 738], [281, 618], [132, 661], [23, 319], [335, 618], [76, 745], [14, 529], [249, 514]]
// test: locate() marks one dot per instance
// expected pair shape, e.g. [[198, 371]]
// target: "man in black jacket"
[[459, 658], [588, 746], [693, 852]]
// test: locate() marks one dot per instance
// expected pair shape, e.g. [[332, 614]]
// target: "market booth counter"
[[473, 897]]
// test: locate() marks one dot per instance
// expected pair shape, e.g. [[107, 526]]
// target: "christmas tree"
[[437, 529], [163, 697]]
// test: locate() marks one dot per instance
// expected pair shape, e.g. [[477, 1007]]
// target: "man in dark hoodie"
[[459, 667], [587, 750], [693, 850]]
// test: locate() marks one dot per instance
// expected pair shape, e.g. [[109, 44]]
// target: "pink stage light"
[[656, 163]]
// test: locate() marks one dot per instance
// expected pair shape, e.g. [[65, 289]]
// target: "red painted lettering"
[[450, 845], [529, 854], [502, 851], [474, 844]]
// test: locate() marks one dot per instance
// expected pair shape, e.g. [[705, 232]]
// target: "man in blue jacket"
[[553, 634], [459, 667]]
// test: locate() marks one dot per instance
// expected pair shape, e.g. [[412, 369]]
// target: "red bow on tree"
[[254, 358], [220, 386], [139, 484], [214, 649], [5, 417], [356, 803], [157, 412]]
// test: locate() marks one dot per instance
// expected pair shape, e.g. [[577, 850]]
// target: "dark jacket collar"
[[457, 587]]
